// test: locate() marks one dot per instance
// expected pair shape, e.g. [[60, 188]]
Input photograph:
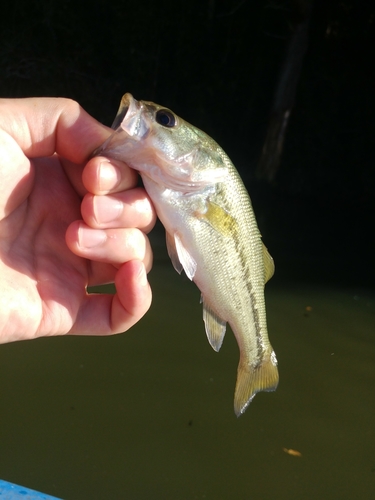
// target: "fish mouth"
[[133, 118], [137, 123]]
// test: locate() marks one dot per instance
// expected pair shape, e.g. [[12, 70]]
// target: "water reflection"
[[149, 414]]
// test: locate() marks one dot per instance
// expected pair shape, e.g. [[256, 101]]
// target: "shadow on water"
[[149, 414]]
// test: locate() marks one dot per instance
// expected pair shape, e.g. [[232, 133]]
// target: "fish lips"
[[132, 121], [133, 118]]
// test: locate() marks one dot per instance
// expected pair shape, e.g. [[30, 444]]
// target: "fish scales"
[[211, 230]]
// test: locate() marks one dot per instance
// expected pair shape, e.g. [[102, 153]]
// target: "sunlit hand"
[[48, 254]]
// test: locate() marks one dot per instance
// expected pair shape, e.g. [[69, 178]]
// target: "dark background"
[[216, 63]]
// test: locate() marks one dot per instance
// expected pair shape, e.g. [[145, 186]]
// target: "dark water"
[[149, 414]]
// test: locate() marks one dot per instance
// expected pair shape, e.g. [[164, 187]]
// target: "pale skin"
[[67, 222]]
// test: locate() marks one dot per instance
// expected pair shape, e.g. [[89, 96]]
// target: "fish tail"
[[251, 380]]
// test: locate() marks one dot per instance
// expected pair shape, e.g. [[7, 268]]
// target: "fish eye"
[[166, 118]]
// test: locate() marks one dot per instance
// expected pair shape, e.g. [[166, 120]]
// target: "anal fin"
[[215, 326]]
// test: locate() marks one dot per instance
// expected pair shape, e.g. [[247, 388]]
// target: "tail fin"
[[250, 380]]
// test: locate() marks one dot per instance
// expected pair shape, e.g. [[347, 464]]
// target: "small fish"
[[210, 227]]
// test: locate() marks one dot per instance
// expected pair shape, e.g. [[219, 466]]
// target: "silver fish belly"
[[211, 230]]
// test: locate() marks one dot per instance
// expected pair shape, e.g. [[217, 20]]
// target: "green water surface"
[[149, 414]]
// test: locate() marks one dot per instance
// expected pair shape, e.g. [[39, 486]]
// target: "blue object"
[[10, 491]]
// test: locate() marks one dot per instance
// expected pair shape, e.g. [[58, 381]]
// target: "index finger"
[[103, 176], [44, 126]]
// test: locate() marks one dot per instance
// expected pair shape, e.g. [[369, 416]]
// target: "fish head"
[[159, 144]]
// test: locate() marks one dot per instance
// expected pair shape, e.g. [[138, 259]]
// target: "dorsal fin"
[[269, 265]]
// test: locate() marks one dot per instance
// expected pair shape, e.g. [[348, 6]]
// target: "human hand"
[[48, 255]]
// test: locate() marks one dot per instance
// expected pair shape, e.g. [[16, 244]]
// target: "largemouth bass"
[[211, 230]]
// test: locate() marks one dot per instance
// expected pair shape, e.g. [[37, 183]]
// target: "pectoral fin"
[[219, 219], [215, 326], [180, 257]]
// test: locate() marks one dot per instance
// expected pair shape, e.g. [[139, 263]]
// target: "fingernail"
[[106, 209], [109, 176], [142, 276], [89, 238]]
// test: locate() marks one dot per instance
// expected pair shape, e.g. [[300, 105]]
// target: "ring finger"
[[112, 246]]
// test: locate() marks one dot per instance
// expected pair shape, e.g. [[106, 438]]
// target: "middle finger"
[[131, 208]]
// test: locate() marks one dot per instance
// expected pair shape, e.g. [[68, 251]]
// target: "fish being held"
[[211, 230]]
